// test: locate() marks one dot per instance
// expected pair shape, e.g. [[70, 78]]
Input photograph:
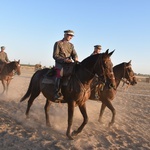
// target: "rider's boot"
[[57, 92]]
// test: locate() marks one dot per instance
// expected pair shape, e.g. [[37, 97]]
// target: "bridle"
[[126, 71], [103, 74], [128, 75], [110, 76]]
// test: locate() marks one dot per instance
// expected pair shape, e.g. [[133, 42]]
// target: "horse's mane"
[[90, 59], [119, 68], [119, 65], [12, 64]]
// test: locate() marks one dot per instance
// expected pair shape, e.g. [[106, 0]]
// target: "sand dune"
[[131, 130]]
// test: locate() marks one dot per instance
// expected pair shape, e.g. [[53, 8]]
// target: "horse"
[[122, 71], [76, 91], [7, 73]]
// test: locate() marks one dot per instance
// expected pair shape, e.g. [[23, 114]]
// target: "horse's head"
[[16, 67], [104, 68], [129, 74]]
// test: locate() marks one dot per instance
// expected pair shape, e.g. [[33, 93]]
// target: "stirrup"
[[57, 95]]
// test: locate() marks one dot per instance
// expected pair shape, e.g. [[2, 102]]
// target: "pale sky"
[[29, 29]]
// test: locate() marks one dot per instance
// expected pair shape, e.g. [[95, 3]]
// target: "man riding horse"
[[63, 53], [3, 58]]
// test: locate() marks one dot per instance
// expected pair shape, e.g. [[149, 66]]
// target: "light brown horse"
[[107, 94], [76, 91], [7, 73]]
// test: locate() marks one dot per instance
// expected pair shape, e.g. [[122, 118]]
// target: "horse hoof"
[[70, 137], [27, 117], [110, 124], [100, 121], [48, 124], [74, 133]]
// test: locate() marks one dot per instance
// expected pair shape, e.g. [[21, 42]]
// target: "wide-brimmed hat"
[[69, 32]]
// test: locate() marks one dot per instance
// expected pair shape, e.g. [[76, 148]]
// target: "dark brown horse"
[[7, 73], [107, 94], [76, 91]]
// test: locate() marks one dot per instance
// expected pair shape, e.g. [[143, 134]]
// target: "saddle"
[[66, 72], [49, 77]]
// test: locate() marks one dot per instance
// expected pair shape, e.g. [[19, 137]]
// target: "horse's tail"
[[34, 85], [28, 93]]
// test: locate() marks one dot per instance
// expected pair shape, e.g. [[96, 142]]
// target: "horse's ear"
[[19, 61], [107, 51], [129, 62], [111, 53]]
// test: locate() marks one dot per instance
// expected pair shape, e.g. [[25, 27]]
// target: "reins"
[[91, 73], [103, 74], [102, 66], [99, 60]]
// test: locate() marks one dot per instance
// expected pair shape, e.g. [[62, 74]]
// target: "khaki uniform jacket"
[[62, 50], [3, 57]]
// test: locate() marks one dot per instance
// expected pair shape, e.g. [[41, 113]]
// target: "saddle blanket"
[[47, 80]]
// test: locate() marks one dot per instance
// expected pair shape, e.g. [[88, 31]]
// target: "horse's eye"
[[129, 69], [105, 65]]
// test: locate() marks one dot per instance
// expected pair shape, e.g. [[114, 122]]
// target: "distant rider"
[[3, 58]]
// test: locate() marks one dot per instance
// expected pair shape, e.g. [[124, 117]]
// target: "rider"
[[63, 52], [97, 49], [3, 58]]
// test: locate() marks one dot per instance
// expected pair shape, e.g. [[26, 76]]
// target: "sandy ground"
[[131, 130]]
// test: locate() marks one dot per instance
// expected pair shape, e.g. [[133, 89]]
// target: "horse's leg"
[[103, 106], [85, 119], [4, 86], [7, 85], [30, 101], [110, 106], [71, 106], [47, 107]]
